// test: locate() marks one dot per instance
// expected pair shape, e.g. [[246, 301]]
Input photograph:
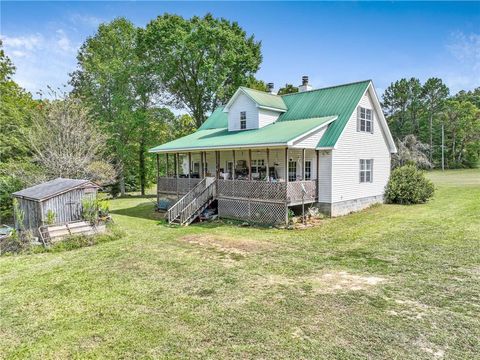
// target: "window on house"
[[243, 120], [308, 170], [365, 120], [366, 170], [230, 169], [292, 170]]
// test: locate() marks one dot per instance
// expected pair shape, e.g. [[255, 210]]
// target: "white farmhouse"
[[262, 153]]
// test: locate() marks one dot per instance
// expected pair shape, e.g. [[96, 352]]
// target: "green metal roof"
[[278, 133], [303, 110], [264, 99], [338, 100], [218, 119]]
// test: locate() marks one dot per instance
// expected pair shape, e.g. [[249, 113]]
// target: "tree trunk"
[[142, 165], [431, 137], [122, 184]]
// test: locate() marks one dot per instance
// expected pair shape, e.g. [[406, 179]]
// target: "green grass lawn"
[[388, 282]]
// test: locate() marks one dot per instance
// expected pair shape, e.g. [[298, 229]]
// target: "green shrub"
[[408, 185]]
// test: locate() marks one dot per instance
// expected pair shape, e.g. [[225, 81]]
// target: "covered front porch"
[[277, 175]]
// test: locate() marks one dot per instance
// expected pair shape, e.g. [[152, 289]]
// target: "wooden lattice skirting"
[[255, 211]]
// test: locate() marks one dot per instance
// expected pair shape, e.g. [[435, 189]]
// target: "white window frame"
[[365, 120], [308, 175], [366, 170], [292, 175], [243, 120]]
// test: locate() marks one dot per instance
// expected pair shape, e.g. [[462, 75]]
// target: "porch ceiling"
[[281, 133]]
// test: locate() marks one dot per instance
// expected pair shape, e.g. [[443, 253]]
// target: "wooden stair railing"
[[175, 210], [197, 205]]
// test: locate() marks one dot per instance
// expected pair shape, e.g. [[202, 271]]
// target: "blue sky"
[[331, 42]]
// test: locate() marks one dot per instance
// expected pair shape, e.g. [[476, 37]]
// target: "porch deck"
[[287, 193]]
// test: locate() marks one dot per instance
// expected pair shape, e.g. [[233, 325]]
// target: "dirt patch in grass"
[[234, 246], [326, 283], [341, 281]]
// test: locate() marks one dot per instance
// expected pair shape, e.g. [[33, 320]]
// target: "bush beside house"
[[408, 185]]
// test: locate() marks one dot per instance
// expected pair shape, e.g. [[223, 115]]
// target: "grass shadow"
[[142, 211]]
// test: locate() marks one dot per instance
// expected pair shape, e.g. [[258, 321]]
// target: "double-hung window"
[[243, 120], [366, 170], [365, 120], [292, 170], [308, 170]]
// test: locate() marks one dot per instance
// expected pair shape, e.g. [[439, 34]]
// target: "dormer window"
[[365, 120], [243, 120]]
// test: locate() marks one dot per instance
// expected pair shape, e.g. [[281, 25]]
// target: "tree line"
[[128, 79], [417, 113]]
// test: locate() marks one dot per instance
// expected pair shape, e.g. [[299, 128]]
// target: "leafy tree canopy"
[[201, 61], [287, 89]]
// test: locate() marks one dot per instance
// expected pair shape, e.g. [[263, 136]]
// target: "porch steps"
[[191, 205]]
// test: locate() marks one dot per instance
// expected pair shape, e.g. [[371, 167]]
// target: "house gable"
[[256, 108], [354, 145]]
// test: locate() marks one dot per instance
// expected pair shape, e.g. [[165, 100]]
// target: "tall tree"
[[395, 104], [254, 83], [16, 110], [287, 89], [200, 61], [106, 81], [434, 93], [462, 127], [66, 143]]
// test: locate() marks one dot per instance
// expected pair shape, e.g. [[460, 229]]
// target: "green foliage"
[[19, 215], [90, 210], [421, 110], [50, 217], [16, 110], [461, 119], [254, 83], [287, 89], [408, 185], [74, 242], [200, 61]]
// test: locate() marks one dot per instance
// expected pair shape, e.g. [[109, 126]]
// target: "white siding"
[[353, 146], [310, 141], [242, 103], [325, 177], [267, 117]]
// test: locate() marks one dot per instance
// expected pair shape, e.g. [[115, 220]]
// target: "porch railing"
[[170, 185], [290, 192]]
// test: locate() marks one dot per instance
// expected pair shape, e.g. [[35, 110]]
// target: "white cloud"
[[464, 72], [63, 43], [29, 42], [466, 48], [19, 53], [89, 20], [41, 60]]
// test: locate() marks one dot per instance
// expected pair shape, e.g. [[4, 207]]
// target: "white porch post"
[[250, 164], [317, 194], [286, 164], [189, 165], [166, 167], [268, 165], [303, 164], [234, 165], [175, 163]]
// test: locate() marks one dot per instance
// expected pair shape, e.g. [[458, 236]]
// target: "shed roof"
[[52, 188]]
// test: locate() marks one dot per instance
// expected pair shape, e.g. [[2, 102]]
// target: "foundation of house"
[[348, 206]]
